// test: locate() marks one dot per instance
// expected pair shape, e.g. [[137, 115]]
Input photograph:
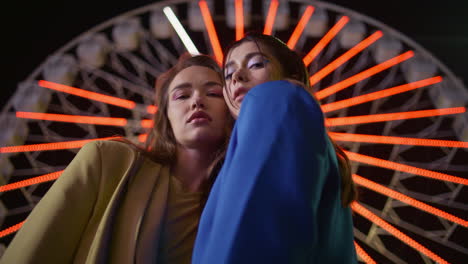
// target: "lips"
[[239, 94], [199, 115]]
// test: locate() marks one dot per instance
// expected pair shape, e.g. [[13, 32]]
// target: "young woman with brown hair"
[[284, 191], [116, 203]]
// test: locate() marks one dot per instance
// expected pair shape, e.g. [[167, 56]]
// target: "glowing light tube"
[[363, 254], [325, 40], [51, 146], [351, 120], [184, 37], [88, 94], [96, 120], [404, 168], [11, 229], [40, 179], [270, 19], [395, 232], [379, 94], [407, 200], [363, 75], [398, 140], [343, 58], [210, 28], [239, 9], [300, 27]]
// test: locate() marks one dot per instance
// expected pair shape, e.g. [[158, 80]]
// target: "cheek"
[[174, 115]]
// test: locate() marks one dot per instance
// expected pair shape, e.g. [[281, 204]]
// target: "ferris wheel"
[[397, 111]]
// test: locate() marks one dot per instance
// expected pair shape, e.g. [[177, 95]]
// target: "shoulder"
[[278, 89], [108, 151], [109, 146], [277, 98]]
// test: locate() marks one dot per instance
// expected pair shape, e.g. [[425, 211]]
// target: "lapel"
[[153, 217], [99, 249], [129, 230]]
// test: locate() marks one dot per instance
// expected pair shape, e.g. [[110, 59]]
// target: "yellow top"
[[180, 224]]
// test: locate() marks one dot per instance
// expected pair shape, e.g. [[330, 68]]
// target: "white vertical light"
[[188, 43]]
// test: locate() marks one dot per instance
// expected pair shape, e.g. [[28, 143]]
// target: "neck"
[[192, 167]]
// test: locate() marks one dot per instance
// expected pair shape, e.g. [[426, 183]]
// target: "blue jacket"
[[277, 198]]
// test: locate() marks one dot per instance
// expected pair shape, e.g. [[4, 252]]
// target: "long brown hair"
[[161, 145], [292, 67]]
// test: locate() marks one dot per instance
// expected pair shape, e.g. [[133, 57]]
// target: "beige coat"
[[95, 212]]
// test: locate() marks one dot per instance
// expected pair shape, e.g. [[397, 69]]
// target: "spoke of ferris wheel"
[[96, 96], [363, 254], [51, 146], [300, 27], [363, 75], [404, 168], [352, 120], [96, 120], [379, 94], [239, 13], [325, 40], [343, 58], [270, 18], [395, 232], [39, 179], [184, 37], [407, 200], [11, 229], [397, 140], [210, 28]]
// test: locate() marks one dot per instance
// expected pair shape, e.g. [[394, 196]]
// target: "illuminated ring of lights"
[[363, 73]]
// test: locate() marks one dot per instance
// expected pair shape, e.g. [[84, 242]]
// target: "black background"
[[34, 29]]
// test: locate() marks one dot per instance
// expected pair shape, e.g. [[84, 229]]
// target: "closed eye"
[[182, 97]]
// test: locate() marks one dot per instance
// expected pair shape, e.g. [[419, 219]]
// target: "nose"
[[198, 101], [239, 76]]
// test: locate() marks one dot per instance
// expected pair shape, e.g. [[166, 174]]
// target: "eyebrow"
[[185, 85], [247, 57], [211, 83]]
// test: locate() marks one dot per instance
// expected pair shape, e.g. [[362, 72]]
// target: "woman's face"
[[196, 108], [246, 67]]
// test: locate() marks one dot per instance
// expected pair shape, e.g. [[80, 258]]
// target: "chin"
[[204, 138]]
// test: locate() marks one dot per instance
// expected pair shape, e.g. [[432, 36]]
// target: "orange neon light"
[[398, 140], [111, 121], [408, 200], [147, 123], [404, 168], [363, 254], [11, 229], [210, 28], [40, 179], [343, 58], [351, 120], [270, 19], [142, 138], [87, 94], [300, 27], [152, 109], [51, 146], [395, 232], [363, 75], [325, 40], [379, 94], [239, 9]]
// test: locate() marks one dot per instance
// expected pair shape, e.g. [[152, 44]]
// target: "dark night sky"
[[33, 30]]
